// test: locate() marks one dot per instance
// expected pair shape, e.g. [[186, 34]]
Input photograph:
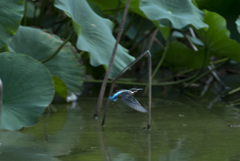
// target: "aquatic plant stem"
[[158, 42], [25, 13], [202, 75], [220, 61], [147, 34], [59, 48], [116, 11], [233, 102], [100, 98], [188, 39], [150, 90], [137, 33], [178, 74], [142, 83], [160, 62], [153, 84], [41, 12], [231, 92], [129, 24], [1, 96], [154, 34]]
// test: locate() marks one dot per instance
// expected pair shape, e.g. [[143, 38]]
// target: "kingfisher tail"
[[113, 98]]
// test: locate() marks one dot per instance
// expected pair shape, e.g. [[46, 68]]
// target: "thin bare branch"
[[153, 36], [147, 34], [158, 42], [100, 98]]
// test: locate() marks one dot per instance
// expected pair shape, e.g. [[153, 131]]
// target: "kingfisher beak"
[[138, 90]]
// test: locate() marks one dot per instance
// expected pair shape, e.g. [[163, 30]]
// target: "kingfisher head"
[[134, 90]]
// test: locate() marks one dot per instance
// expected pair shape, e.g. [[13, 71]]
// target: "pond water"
[[180, 131]]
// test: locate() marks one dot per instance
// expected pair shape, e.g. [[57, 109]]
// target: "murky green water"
[[180, 132]]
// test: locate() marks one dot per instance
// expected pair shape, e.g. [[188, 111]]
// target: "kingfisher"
[[128, 99]]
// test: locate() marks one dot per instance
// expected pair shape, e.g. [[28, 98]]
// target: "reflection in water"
[[22, 147], [180, 132], [45, 123], [149, 146], [101, 142]]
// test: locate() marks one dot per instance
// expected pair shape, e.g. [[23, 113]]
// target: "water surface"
[[180, 131]]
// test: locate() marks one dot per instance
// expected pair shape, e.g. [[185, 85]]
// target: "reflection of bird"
[[128, 99]]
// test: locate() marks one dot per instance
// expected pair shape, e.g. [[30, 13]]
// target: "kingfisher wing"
[[129, 100], [120, 90]]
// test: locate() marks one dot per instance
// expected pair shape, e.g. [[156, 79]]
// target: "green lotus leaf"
[[161, 12], [179, 55], [60, 87], [217, 37], [11, 13], [179, 13], [96, 9], [27, 90], [228, 9], [238, 23], [41, 45], [95, 35]]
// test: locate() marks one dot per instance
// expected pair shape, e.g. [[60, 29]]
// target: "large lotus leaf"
[[179, 55], [217, 39], [228, 9], [108, 7], [161, 12], [41, 45], [96, 9], [27, 90], [179, 12], [11, 13], [95, 35]]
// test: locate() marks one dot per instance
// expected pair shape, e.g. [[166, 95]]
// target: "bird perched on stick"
[[128, 99]]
